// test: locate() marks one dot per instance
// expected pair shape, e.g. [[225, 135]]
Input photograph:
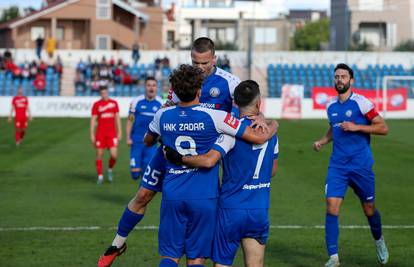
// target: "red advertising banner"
[[292, 101], [396, 97]]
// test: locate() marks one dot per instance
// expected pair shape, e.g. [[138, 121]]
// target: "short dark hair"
[[150, 78], [186, 80], [343, 66], [246, 92], [103, 87], [203, 44]]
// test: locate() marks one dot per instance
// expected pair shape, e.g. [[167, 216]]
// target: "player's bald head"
[[202, 45], [246, 93]]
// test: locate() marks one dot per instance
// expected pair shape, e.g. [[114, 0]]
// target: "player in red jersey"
[[20, 107], [108, 132]]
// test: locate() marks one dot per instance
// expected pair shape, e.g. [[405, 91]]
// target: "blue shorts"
[[140, 155], [362, 181], [187, 227], [154, 173], [232, 226]]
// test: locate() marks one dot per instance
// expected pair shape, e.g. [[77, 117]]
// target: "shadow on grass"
[[292, 255], [81, 176], [111, 197]]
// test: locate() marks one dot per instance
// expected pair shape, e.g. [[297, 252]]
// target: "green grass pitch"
[[49, 181]]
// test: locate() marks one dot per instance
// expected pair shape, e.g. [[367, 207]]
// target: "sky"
[[290, 4]]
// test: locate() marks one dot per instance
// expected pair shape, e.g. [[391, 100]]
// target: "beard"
[[344, 89]]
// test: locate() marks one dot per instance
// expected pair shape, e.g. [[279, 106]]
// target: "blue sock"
[[375, 224], [195, 265], [331, 234], [135, 175], [166, 262], [128, 221]]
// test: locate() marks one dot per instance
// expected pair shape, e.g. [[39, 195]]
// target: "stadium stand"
[[321, 75], [122, 79], [36, 78]]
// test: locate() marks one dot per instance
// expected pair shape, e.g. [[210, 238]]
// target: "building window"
[[371, 5], [102, 42], [60, 33], [170, 39], [36, 32], [265, 35], [103, 9]]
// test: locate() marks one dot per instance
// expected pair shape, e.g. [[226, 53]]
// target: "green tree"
[[405, 46], [311, 35], [10, 13]]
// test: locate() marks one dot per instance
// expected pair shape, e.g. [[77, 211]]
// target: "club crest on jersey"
[[231, 121], [220, 139], [214, 92], [154, 109], [182, 113], [348, 113]]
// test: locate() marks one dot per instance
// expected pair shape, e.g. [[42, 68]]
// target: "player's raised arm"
[[260, 137]]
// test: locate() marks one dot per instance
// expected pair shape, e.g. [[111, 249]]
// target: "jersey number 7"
[[262, 148]]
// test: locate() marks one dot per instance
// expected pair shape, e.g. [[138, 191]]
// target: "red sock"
[[111, 163], [17, 136], [98, 164], [22, 134]]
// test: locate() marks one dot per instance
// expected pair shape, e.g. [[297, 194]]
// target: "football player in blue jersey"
[[189, 199], [141, 113], [245, 190], [217, 93], [352, 119]]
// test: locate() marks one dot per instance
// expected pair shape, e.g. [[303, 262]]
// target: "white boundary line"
[[154, 227]]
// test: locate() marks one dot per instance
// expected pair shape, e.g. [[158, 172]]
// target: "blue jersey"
[[247, 172], [192, 131], [143, 111], [351, 149], [218, 89]]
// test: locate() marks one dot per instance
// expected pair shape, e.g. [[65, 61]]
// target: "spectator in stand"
[[157, 63], [80, 84], [26, 71], [40, 84], [51, 46], [135, 53], [42, 67], [39, 45], [95, 85], [7, 54], [33, 69], [226, 63], [165, 62], [58, 66]]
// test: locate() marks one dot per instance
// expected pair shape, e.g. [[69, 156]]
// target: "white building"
[[225, 21]]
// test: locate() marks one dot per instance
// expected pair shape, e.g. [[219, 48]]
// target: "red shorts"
[[20, 123], [103, 141]]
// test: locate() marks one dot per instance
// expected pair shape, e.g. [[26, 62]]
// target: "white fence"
[[80, 107]]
